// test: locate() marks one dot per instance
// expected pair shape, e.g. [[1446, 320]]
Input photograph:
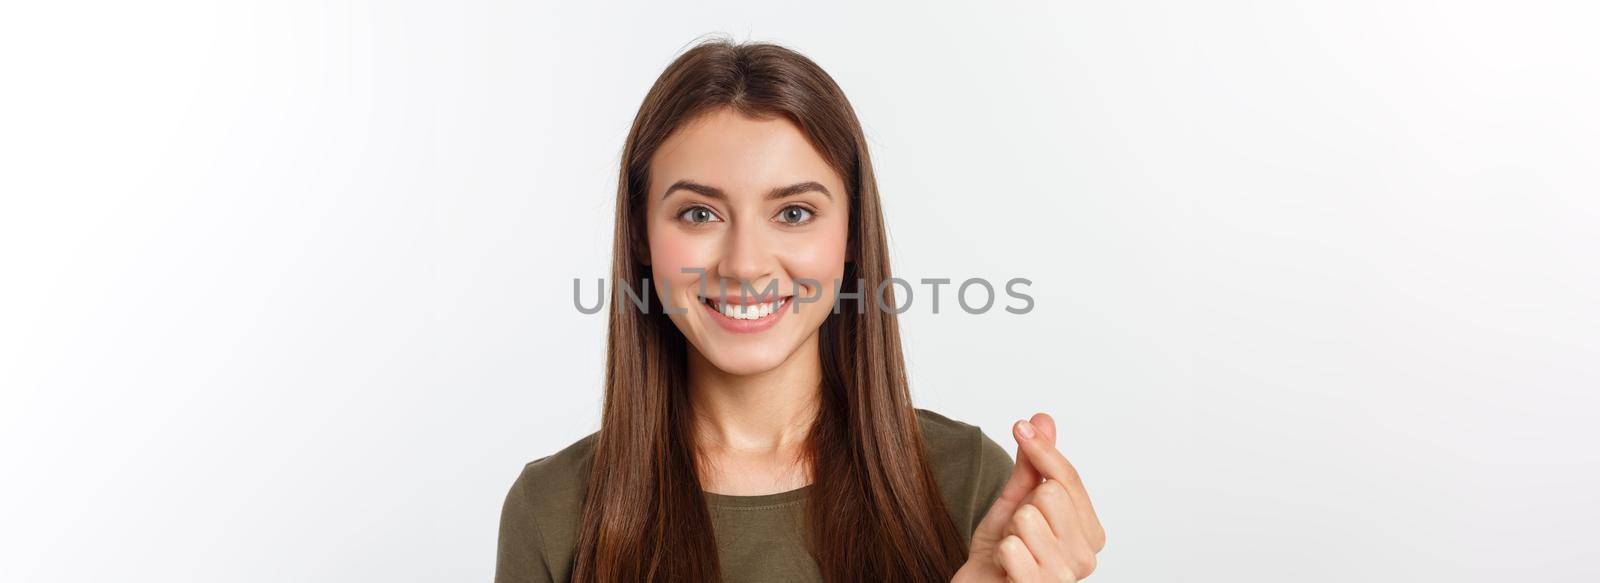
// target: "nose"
[[746, 258]]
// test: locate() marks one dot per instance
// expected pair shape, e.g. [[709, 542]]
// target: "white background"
[[285, 287]]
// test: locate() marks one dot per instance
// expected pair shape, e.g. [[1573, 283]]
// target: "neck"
[[769, 411], [750, 431]]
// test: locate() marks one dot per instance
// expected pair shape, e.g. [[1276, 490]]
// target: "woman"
[[757, 424]]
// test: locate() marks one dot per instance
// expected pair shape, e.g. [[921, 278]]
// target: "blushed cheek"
[[671, 254], [819, 258]]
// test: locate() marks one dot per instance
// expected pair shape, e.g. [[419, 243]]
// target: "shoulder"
[[557, 475], [957, 445], [970, 467], [539, 521]]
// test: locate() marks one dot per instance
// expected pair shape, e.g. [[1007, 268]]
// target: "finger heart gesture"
[[1042, 528]]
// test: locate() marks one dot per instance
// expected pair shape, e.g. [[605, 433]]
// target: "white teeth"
[[750, 311]]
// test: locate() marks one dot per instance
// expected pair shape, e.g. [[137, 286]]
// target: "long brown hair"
[[874, 511]]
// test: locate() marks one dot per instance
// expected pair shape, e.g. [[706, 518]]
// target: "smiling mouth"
[[746, 312]]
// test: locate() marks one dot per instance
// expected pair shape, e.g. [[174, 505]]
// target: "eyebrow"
[[774, 194]]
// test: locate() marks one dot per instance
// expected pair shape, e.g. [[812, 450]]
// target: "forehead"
[[739, 154]]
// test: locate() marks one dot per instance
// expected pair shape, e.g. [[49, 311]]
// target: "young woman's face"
[[736, 201]]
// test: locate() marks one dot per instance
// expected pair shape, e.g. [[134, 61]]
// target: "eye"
[[698, 215], [795, 215]]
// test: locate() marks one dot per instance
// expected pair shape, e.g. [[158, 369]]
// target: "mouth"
[[745, 318]]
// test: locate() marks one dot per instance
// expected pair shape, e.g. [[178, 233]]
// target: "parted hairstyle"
[[874, 512]]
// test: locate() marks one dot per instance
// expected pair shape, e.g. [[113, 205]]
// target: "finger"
[[1030, 525], [1053, 500], [1046, 426], [1062, 516], [1024, 477], [1013, 556], [1018, 489], [1049, 462], [1047, 430]]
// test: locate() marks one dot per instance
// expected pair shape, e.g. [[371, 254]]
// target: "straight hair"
[[874, 511]]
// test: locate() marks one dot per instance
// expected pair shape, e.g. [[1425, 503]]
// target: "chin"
[[745, 360]]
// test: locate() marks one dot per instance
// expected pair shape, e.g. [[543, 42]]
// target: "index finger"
[[1024, 477], [1053, 465]]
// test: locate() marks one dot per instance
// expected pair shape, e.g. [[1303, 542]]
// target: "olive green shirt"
[[759, 538]]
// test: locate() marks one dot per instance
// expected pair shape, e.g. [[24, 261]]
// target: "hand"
[[1042, 528]]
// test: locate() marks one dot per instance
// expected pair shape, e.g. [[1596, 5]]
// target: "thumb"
[[1046, 428], [1024, 478]]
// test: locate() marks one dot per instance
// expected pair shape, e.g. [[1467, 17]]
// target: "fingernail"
[[1026, 429]]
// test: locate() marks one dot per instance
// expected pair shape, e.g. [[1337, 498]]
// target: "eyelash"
[[689, 209], [686, 210]]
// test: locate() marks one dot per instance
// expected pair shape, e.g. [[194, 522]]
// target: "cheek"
[[819, 256], [671, 252]]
